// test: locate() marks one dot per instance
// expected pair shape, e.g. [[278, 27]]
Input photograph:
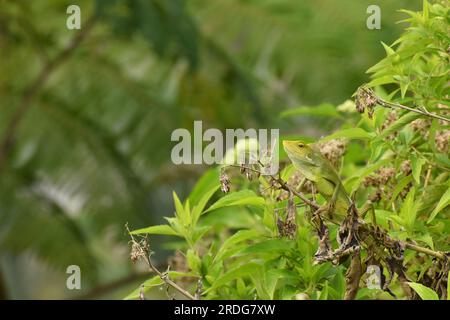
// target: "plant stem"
[[284, 185], [387, 104], [144, 252], [437, 254], [166, 279]]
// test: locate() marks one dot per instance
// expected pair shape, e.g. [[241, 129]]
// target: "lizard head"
[[304, 157], [297, 149]]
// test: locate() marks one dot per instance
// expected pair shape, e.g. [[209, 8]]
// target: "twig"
[[387, 104], [142, 250], [32, 91], [353, 276], [437, 254], [286, 187], [164, 277], [427, 178], [283, 184]]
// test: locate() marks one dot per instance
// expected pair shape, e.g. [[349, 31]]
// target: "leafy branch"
[[366, 98], [140, 249]]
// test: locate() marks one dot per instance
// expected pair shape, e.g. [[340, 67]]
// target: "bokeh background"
[[86, 115]]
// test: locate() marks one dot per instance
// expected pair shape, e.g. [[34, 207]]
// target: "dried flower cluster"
[[422, 126], [391, 117], [442, 140], [224, 182], [365, 99], [379, 180], [379, 177], [405, 167], [139, 249], [442, 137], [288, 227], [382, 177], [333, 150]]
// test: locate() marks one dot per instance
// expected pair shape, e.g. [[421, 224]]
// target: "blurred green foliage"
[[85, 142]]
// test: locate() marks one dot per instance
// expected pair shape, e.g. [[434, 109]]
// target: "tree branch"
[[6, 144], [284, 185], [390, 105], [141, 249]]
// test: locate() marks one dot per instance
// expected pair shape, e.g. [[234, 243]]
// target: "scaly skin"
[[315, 167]]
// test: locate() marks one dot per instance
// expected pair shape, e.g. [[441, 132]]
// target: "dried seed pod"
[[379, 178], [282, 196], [442, 140], [365, 99], [391, 117], [405, 167], [386, 174], [375, 196], [224, 182], [135, 252], [333, 150]]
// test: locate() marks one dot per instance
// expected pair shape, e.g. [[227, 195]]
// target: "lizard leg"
[[301, 184], [329, 208], [337, 188]]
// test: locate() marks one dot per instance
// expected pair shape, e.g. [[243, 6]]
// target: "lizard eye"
[[301, 145]]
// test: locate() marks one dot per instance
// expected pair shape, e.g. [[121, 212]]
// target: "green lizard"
[[315, 167], [308, 159]]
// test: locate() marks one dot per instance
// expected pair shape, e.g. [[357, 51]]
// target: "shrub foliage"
[[259, 240]]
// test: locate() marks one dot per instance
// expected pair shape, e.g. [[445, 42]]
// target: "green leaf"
[[409, 209], [448, 287], [198, 209], [404, 88], [400, 186], [154, 282], [239, 236], [198, 233], [355, 181], [443, 202], [275, 246], [235, 273], [181, 213], [208, 181], [426, 238], [338, 284], [417, 164], [352, 133], [147, 285], [162, 229], [324, 292], [240, 287], [389, 50], [240, 198], [397, 125], [381, 80], [425, 11], [193, 261], [323, 110], [397, 219], [424, 292]]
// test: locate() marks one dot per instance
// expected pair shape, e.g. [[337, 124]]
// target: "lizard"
[[308, 159]]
